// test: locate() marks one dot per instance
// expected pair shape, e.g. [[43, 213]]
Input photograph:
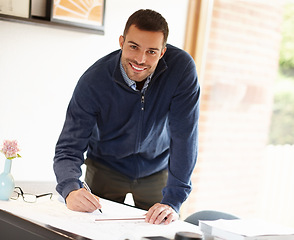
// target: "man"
[[135, 112]]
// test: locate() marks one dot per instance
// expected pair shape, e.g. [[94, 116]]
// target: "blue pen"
[[89, 190]]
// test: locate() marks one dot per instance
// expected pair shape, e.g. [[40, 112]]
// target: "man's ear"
[[162, 52], [121, 41]]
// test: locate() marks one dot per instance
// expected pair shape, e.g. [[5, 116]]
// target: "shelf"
[[48, 23]]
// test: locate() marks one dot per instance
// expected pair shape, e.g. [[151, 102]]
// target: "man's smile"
[[137, 68]]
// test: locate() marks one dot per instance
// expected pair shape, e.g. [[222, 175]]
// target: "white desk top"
[[55, 213]]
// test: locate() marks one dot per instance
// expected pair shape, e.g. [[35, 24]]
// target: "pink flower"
[[10, 149]]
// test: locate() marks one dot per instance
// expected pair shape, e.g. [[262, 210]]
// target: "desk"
[[55, 214]]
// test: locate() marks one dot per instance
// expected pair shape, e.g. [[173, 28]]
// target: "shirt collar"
[[131, 83]]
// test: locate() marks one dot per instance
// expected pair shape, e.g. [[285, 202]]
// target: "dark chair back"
[[208, 215]]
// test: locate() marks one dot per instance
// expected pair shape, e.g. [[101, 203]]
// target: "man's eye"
[[133, 47], [152, 52]]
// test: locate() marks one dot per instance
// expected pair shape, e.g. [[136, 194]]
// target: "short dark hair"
[[148, 20]]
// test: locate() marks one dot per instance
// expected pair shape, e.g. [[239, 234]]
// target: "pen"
[[89, 190]]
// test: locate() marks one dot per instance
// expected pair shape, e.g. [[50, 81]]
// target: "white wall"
[[39, 68]]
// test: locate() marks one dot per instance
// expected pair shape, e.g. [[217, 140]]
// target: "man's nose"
[[141, 58]]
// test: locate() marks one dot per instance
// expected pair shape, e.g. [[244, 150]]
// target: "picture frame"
[[16, 8], [80, 13]]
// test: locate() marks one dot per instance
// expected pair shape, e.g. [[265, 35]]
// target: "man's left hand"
[[159, 213]]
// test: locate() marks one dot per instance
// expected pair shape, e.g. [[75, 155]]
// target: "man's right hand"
[[82, 201]]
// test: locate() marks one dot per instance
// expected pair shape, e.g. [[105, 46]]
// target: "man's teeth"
[[137, 68]]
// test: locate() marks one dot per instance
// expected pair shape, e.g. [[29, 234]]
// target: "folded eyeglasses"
[[27, 197]]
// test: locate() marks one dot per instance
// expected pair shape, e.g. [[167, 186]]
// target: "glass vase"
[[6, 181]]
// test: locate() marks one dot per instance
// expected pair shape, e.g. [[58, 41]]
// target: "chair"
[[208, 215]]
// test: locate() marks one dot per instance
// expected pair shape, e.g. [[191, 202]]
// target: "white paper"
[[246, 229]]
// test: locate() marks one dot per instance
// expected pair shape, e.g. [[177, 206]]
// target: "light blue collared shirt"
[[131, 83]]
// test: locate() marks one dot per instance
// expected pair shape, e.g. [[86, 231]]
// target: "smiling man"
[[141, 51], [135, 112]]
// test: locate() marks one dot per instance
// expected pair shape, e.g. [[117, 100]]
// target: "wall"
[[39, 68]]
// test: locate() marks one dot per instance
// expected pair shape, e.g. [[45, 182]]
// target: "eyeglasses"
[[27, 197]]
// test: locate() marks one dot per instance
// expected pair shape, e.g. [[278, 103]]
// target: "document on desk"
[[112, 211], [115, 212], [95, 225]]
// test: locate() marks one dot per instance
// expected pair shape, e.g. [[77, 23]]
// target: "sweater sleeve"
[[73, 140], [183, 124]]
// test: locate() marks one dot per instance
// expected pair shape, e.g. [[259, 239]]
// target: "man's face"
[[141, 51]]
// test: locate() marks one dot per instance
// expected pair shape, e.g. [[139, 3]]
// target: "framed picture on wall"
[[17, 8], [82, 13]]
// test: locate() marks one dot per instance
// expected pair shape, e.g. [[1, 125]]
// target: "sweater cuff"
[[176, 207], [173, 198], [69, 188], [172, 202]]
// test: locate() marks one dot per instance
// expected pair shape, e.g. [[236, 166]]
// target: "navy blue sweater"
[[134, 134]]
